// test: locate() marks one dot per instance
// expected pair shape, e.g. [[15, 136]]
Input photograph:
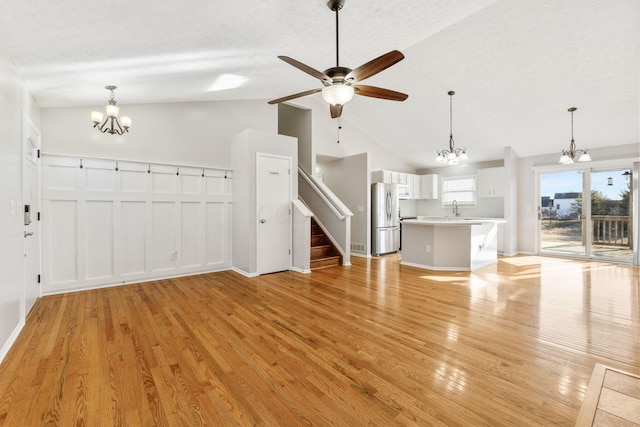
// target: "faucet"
[[455, 208]]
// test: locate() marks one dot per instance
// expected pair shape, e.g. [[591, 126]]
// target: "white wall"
[[190, 133], [245, 145], [348, 178], [296, 122], [15, 100], [352, 139]]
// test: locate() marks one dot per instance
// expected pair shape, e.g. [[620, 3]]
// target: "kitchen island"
[[458, 244]]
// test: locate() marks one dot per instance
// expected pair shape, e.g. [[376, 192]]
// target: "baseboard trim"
[[244, 273], [11, 340], [132, 282], [300, 270]]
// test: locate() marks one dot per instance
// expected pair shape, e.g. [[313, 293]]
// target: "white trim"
[[259, 155], [244, 273], [300, 270], [11, 340], [123, 160], [430, 267], [146, 279], [361, 255], [580, 166]]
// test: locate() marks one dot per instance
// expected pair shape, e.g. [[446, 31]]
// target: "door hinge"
[[38, 216], [289, 254], [38, 153], [38, 278]]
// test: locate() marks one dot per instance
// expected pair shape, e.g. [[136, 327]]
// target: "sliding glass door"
[[561, 214], [596, 223], [611, 215]]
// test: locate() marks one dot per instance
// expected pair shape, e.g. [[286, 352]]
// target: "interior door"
[[273, 213], [31, 209]]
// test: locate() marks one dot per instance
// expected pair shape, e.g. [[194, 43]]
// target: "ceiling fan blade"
[[378, 92], [294, 96], [336, 111], [375, 66], [303, 67]]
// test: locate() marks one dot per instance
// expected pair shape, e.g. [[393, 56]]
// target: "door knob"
[[262, 221], [28, 233]]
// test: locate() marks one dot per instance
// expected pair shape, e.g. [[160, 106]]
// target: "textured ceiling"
[[516, 65]]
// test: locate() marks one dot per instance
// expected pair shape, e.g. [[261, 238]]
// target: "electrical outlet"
[[174, 255], [427, 248]]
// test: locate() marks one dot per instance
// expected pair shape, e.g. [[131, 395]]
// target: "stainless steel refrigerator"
[[385, 222]]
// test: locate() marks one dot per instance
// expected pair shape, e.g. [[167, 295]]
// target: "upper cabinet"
[[429, 186], [414, 186], [491, 182], [411, 183]]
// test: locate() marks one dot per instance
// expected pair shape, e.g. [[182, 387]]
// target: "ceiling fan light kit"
[[451, 155], [111, 124], [340, 82], [569, 155]]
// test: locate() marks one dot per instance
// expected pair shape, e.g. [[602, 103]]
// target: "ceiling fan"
[[340, 82]]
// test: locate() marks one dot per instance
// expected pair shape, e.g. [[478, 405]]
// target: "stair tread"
[[323, 257], [323, 252]]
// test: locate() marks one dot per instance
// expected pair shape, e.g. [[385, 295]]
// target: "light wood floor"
[[375, 343]]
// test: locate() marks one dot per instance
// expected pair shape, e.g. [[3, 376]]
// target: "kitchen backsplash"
[[487, 208]]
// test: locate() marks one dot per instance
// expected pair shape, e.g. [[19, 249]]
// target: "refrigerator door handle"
[[388, 206]]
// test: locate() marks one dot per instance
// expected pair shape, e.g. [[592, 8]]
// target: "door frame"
[[289, 159], [586, 168], [30, 128]]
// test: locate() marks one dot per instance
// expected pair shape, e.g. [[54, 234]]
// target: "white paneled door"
[[274, 213], [31, 209]]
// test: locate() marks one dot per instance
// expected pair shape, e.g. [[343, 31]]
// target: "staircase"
[[323, 253]]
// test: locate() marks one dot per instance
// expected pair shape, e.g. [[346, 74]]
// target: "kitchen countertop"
[[425, 220]]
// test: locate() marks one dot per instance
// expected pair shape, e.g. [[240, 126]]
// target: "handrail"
[[304, 210], [329, 212], [344, 210], [323, 196]]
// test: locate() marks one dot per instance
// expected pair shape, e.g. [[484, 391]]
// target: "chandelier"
[[568, 155], [111, 124], [452, 155]]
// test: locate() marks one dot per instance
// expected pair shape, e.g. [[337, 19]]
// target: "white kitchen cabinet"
[[414, 186], [491, 182], [429, 186], [381, 176]]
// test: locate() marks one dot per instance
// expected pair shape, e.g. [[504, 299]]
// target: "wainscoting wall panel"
[[109, 222]]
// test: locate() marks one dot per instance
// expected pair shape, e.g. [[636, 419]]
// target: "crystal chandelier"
[[568, 155], [452, 155], [111, 124]]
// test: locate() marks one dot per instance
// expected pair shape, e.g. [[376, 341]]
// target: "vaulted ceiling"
[[516, 65]]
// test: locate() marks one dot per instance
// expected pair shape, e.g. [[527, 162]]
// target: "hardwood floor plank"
[[374, 343]]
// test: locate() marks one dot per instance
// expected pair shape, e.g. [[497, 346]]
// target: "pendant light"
[[568, 155], [111, 124], [452, 155]]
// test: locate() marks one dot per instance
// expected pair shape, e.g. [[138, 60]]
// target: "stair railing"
[[329, 211]]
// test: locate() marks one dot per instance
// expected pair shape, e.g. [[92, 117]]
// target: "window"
[[462, 189]]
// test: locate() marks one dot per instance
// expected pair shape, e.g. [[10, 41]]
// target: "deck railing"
[[611, 230]]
